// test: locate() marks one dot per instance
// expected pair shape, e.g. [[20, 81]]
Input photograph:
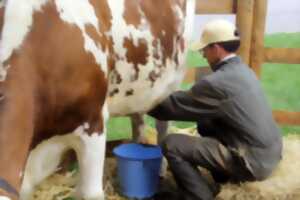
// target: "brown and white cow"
[[66, 65]]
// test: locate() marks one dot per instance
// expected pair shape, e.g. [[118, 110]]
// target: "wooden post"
[[258, 31], [244, 20]]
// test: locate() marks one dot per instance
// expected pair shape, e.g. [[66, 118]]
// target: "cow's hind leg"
[[44, 160]]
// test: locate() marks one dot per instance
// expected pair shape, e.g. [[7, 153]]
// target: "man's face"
[[210, 52]]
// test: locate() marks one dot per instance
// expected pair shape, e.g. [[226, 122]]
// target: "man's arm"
[[201, 101]]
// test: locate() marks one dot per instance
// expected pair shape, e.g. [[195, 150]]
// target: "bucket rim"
[[132, 158]]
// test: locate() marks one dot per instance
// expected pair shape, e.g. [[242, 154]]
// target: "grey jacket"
[[232, 96]]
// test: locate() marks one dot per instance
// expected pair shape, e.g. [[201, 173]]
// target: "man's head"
[[219, 38]]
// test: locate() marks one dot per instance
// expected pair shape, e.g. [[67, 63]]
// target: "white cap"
[[216, 31]]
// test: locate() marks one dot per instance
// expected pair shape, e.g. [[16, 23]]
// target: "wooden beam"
[[244, 20], [215, 6], [190, 75], [287, 117], [282, 55], [258, 31], [193, 74]]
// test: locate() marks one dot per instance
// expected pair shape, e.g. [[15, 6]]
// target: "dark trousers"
[[185, 153]]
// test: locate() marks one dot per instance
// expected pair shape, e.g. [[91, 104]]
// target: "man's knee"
[[169, 144], [178, 145]]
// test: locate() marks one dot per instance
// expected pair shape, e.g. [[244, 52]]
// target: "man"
[[241, 142]]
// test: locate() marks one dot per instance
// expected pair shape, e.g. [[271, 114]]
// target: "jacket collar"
[[231, 59]]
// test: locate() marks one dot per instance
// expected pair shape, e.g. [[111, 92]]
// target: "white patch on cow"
[[17, 23], [172, 75], [105, 115], [189, 19], [4, 198], [44, 160], [82, 13], [3, 71], [91, 153]]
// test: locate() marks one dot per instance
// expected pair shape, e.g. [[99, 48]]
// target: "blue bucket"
[[138, 169]]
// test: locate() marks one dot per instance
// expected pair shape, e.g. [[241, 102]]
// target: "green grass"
[[283, 40], [195, 59], [279, 81]]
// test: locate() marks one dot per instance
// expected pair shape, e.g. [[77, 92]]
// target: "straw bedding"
[[284, 184]]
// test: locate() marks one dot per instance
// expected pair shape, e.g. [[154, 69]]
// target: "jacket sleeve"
[[201, 101]]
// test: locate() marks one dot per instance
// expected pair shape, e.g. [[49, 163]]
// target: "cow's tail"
[[189, 19]]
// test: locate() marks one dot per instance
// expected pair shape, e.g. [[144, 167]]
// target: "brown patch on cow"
[[153, 76], [104, 41], [70, 84], [129, 92], [176, 59], [103, 14], [115, 77], [100, 39], [113, 92], [182, 44], [95, 35], [111, 62], [131, 14], [164, 25], [136, 54], [155, 49]]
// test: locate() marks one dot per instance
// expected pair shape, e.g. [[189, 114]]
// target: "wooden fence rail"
[[286, 117], [282, 55]]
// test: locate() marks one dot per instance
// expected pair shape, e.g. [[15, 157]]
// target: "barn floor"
[[284, 184]]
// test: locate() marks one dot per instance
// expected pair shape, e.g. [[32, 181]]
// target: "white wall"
[[282, 16]]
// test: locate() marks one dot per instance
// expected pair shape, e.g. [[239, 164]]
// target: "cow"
[[66, 66]]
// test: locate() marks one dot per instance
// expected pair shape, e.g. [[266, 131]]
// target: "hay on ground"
[[284, 184]]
